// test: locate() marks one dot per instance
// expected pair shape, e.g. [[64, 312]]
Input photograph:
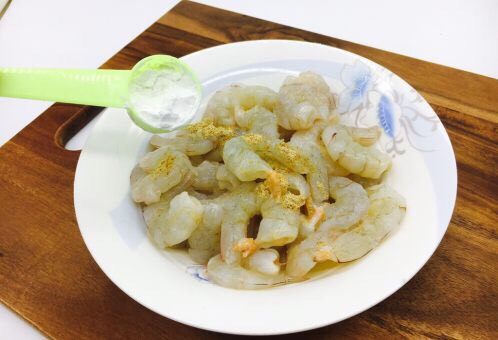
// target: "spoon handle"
[[108, 88]]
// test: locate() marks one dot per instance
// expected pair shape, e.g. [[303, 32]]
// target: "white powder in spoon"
[[165, 98]]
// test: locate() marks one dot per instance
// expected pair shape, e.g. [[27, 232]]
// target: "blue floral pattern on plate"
[[369, 94], [198, 271], [385, 114], [358, 81]]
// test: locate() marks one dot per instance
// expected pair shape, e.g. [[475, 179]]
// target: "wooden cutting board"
[[48, 276]]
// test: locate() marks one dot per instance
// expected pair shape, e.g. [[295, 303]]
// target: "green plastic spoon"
[[107, 88]]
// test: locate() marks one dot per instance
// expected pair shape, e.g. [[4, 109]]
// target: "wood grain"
[[48, 276]]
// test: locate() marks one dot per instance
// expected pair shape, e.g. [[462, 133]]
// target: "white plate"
[[166, 282]]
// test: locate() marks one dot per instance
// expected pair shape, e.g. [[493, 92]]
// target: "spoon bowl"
[[172, 66]]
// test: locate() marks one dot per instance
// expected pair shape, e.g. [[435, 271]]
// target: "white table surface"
[[85, 33]]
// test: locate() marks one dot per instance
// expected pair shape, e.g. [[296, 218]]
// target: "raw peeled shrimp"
[[243, 162], [215, 155], [226, 179], [235, 276], [264, 261], [204, 242], [297, 184], [365, 136], [302, 257], [310, 143], [175, 222], [202, 197], [387, 209], [307, 141], [241, 157], [309, 224], [365, 161], [259, 120], [235, 100], [351, 203], [385, 213], [185, 142], [153, 210], [279, 225], [276, 150], [239, 207], [302, 100], [158, 172], [280, 214], [206, 177], [366, 182]]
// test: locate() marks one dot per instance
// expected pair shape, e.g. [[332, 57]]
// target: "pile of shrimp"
[[267, 185]]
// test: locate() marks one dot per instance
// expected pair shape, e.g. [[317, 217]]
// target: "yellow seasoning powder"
[[206, 129], [292, 201], [255, 141], [277, 187], [164, 166], [293, 157]]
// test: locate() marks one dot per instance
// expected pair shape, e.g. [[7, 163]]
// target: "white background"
[[85, 33]]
